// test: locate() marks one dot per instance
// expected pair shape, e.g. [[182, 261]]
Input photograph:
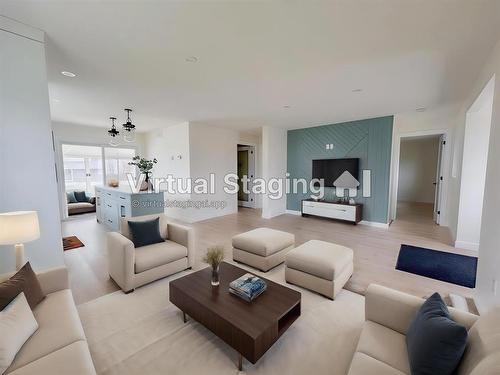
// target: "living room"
[[128, 145]]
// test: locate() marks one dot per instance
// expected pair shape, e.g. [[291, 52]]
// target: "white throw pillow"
[[17, 324]]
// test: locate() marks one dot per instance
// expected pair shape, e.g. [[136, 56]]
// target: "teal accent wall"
[[369, 140]]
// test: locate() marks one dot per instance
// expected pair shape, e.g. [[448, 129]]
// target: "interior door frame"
[[396, 157], [251, 203], [439, 181]]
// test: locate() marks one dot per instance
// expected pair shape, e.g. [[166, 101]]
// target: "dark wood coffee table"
[[251, 328]]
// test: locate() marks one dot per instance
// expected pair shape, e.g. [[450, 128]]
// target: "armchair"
[[132, 267], [388, 314]]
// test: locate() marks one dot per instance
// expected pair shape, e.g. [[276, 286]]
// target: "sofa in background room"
[[79, 203]]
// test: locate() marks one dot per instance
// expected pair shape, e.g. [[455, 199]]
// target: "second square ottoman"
[[320, 266]]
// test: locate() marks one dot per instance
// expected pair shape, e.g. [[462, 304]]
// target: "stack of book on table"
[[247, 287]]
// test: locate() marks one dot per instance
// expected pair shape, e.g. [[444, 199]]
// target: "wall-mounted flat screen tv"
[[331, 169]]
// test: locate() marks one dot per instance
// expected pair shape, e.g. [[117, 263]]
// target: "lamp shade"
[[18, 227]]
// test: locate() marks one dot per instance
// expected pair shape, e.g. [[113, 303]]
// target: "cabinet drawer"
[[330, 210], [111, 219], [333, 213], [341, 207], [109, 205], [123, 199]]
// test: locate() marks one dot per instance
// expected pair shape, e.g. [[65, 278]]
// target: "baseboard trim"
[[374, 224], [293, 212], [467, 245], [273, 214]]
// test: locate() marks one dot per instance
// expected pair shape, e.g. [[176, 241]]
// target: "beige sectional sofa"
[[59, 345], [382, 346]]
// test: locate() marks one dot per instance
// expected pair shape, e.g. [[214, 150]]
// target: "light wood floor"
[[375, 249]]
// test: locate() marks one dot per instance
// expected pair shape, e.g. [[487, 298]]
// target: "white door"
[[246, 167], [439, 181]]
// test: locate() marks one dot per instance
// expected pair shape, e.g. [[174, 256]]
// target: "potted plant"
[[145, 166], [214, 257]]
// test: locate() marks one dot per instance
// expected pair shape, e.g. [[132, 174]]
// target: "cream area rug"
[[143, 333]]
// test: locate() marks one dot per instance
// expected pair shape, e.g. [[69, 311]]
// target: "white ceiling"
[[255, 57]]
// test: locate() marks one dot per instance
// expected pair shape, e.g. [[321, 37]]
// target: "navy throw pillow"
[[145, 232], [71, 197], [81, 196], [435, 342]]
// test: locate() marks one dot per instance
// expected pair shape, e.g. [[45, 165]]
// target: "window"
[[117, 167], [82, 167]]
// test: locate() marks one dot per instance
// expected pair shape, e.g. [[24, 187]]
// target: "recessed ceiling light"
[[357, 90], [68, 74], [191, 59], [286, 106], [421, 109]]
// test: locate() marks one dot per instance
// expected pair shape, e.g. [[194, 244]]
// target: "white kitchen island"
[[114, 203]]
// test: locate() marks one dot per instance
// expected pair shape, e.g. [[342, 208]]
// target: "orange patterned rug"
[[72, 242]]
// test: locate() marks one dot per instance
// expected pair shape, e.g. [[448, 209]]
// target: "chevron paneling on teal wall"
[[369, 140]]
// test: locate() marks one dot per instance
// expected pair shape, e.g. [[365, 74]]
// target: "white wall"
[[204, 149], [474, 162], [213, 150], [417, 169], [27, 167], [274, 151], [170, 146], [489, 251]]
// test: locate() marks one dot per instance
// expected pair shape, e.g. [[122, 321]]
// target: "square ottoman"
[[320, 266], [262, 248]]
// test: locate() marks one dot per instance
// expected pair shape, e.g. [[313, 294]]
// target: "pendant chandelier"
[[113, 133], [128, 130]]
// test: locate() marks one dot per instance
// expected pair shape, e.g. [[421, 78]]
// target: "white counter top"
[[125, 189]]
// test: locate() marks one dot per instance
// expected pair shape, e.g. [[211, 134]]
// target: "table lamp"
[[17, 228]]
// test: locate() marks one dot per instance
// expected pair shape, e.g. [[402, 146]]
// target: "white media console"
[[334, 210]]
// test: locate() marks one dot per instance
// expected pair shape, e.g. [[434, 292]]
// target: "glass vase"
[[215, 276]]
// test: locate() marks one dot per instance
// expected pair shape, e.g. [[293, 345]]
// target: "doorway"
[[420, 179], [246, 173]]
